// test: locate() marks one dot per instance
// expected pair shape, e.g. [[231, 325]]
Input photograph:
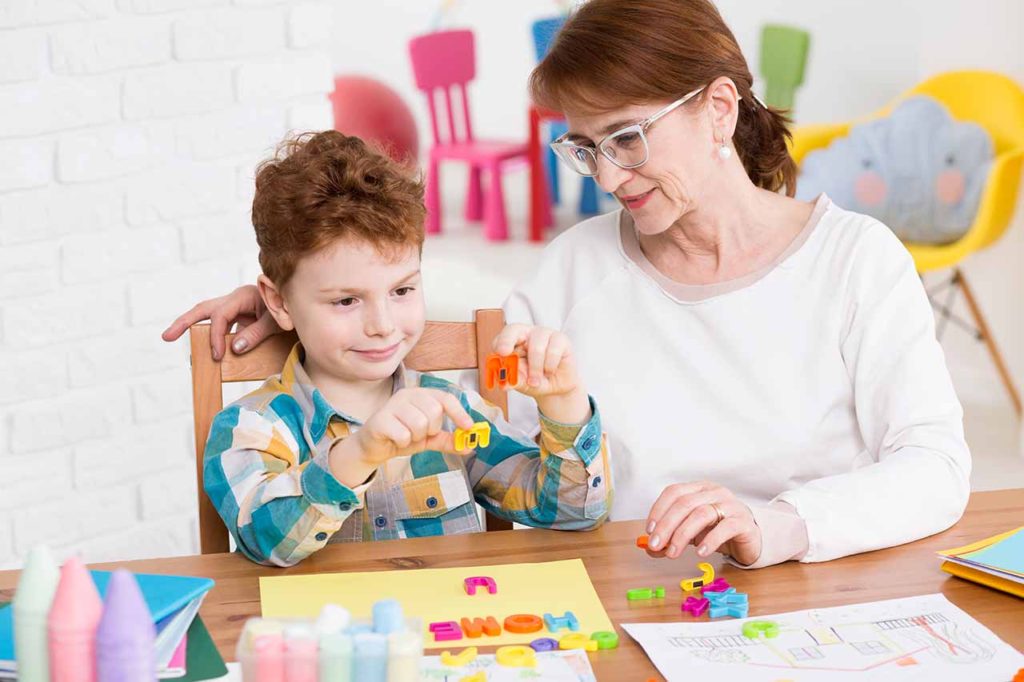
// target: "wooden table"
[[615, 564]]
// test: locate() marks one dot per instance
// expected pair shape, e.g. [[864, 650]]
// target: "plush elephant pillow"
[[917, 170]]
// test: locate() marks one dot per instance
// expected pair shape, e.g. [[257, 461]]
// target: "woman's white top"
[[817, 381]]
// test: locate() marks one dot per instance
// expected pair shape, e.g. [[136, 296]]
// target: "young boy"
[[347, 444]]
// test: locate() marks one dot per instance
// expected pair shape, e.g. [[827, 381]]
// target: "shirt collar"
[[317, 411]]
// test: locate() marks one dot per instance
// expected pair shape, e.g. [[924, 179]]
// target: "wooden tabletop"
[[615, 565]]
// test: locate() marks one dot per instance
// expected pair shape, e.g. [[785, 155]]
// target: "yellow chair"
[[996, 103]]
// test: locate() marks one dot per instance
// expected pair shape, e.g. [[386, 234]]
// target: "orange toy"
[[502, 370]]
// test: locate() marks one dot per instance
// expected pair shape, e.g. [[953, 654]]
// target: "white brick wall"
[[129, 130]]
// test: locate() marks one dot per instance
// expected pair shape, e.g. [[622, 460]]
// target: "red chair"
[[446, 61]]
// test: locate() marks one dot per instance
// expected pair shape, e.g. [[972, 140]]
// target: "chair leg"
[[588, 197], [474, 195], [494, 209], [432, 200], [552, 168], [990, 342]]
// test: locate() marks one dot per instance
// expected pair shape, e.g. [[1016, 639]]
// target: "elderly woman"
[[768, 370]]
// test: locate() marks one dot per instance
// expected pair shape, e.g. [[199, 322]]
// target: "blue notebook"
[[164, 594]]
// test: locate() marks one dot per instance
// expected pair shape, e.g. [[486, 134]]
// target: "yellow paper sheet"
[[437, 594]]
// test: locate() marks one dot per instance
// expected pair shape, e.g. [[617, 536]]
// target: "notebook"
[[174, 602], [996, 562]]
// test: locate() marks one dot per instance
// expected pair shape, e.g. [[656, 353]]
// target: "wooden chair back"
[[444, 346]]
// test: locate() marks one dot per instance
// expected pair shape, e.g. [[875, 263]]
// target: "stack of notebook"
[[174, 604], [997, 562]]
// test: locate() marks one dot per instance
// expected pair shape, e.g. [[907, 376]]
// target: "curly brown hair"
[[320, 187]]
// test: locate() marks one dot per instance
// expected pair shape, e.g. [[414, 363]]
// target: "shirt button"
[[320, 537], [380, 522], [344, 506], [588, 443], [597, 481], [431, 502]]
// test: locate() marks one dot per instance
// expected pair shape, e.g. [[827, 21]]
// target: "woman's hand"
[[243, 307], [547, 371], [706, 515]]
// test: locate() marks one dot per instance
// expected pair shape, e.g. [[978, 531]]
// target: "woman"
[[767, 368]]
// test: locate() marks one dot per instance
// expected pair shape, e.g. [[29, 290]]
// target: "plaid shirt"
[[266, 470]]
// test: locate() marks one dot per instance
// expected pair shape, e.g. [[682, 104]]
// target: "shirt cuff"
[[570, 441], [326, 493], [783, 535]]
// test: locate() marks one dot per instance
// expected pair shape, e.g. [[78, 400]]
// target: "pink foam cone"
[[72, 624]]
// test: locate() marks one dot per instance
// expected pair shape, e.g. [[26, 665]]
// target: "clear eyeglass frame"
[[627, 147]]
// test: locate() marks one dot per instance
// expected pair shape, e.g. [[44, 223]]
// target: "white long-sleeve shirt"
[[817, 382]]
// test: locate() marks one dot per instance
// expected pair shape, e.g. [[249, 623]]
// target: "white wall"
[[128, 133]]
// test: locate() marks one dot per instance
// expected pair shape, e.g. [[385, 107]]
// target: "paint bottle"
[[405, 650], [301, 648], [370, 660]]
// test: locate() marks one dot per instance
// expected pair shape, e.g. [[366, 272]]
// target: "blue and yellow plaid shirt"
[[266, 470]]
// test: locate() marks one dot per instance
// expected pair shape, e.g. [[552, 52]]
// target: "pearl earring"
[[724, 151]]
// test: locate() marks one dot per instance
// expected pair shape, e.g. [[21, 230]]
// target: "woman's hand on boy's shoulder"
[[242, 307]]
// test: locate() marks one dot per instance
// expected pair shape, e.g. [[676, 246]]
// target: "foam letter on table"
[[478, 626], [446, 631], [459, 660], [577, 640], [516, 657], [605, 639], [523, 623], [480, 581], [691, 584], [556, 623]]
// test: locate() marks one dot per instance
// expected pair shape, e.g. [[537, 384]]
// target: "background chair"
[[996, 103], [446, 61], [444, 346], [544, 31], [784, 52]]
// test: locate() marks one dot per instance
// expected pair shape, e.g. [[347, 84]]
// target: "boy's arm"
[[564, 483], [280, 502]]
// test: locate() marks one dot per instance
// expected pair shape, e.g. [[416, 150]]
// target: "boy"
[[346, 444]]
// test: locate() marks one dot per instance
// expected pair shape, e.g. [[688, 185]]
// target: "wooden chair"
[[444, 346]]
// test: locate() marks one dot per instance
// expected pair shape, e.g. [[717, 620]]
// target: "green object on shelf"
[[784, 52]]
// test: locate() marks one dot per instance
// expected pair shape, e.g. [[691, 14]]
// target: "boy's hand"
[[410, 422], [547, 371]]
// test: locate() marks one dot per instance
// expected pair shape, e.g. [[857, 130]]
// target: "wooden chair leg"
[[990, 342]]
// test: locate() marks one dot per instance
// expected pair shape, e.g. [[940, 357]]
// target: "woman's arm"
[[917, 481]]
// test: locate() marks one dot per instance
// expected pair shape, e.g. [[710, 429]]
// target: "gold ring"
[[718, 510]]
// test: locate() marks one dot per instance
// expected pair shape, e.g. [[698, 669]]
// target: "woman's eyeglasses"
[[626, 147]]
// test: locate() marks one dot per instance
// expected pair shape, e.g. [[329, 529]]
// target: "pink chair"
[[446, 61]]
